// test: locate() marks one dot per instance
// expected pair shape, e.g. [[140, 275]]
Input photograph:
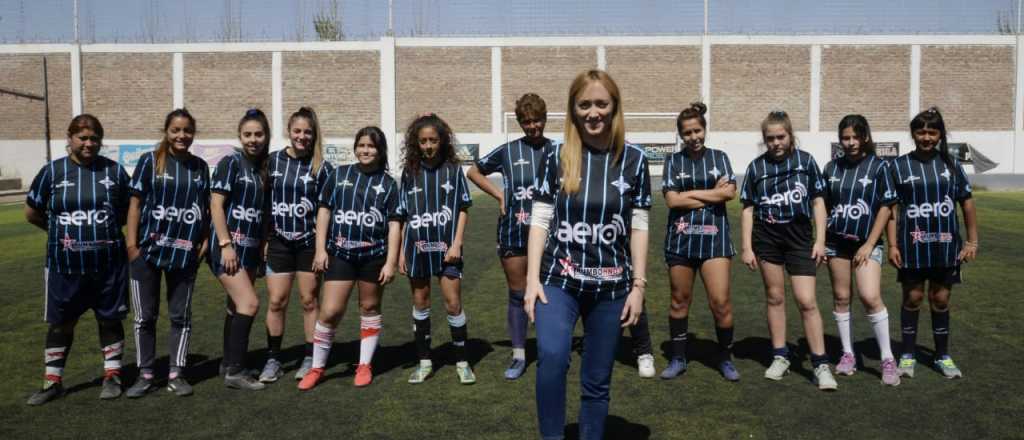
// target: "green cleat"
[[948, 368], [466, 376], [422, 372], [907, 363]]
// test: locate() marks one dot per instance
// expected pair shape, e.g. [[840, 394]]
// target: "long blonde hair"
[[318, 150], [571, 156]]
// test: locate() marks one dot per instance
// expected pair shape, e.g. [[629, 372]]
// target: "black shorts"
[[847, 249], [341, 269], [506, 252], [693, 263], [786, 243], [284, 257], [69, 296], [943, 275]]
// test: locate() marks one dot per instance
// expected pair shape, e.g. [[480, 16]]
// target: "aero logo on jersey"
[[365, 219], [246, 214], [851, 211], [925, 210], [428, 219], [172, 214], [300, 209], [523, 193], [79, 218], [597, 233], [793, 196]]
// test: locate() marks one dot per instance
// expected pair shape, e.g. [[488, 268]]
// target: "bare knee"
[[775, 297], [841, 300], [278, 304], [720, 308]]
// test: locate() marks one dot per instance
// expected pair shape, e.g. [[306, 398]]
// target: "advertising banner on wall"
[[128, 155], [212, 154], [885, 150], [468, 153], [337, 154], [656, 153]]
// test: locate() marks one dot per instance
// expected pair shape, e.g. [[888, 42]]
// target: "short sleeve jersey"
[[175, 209], [518, 162], [361, 205], [854, 193], [294, 191], [429, 203], [781, 190], [928, 191], [703, 232], [587, 249], [85, 206], [241, 183]]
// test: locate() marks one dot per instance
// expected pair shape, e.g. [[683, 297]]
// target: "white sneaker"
[[645, 363], [778, 368], [824, 379]]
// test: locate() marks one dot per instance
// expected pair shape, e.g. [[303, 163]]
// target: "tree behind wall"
[[327, 22]]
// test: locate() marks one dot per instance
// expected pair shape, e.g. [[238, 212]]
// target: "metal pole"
[[76, 20], [1018, 15], [46, 109], [706, 17], [391, 18]]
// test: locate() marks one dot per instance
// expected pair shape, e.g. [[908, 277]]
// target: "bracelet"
[[641, 279], [972, 244]]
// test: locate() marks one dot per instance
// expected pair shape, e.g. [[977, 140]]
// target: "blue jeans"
[[555, 322]]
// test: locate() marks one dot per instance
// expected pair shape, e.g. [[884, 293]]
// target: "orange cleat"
[[311, 379], [364, 375]]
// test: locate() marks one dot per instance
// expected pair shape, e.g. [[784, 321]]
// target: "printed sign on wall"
[[212, 154], [468, 153], [885, 150], [128, 155], [656, 153], [339, 155]]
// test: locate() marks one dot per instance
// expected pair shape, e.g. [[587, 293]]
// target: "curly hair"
[[411, 153]]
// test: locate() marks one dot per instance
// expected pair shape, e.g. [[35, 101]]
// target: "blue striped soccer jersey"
[[781, 190], [587, 248], [293, 196], [704, 232], [429, 203], [241, 183], [85, 207], [854, 193], [361, 205], [928, 190], [518, 163], [175, 209]]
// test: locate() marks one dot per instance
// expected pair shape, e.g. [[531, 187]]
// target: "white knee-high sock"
[[880, 323], [323, 337], [369, 334], [843, 322]]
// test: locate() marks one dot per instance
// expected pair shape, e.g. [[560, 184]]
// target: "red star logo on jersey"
[[237, 235], [917, 235], [522, 217], [568, 268], [681, 226], [68, 242]]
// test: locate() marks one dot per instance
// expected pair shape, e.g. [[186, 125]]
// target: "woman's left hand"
[[454, 254], [634, 305], [818, 253], [968, 253]]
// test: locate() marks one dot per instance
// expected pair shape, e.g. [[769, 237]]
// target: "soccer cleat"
[[729, 372], [243, 381], [271, 371], [676, 367], [948, 368], [111, 388], [778, 368], [823, 377], [141, 387], [906, 367], [49, 392], [422, 371], [307, 364], [466, 376], [847, 365], [890, 374], [179, 386], [645, 365], [311, 379], [364, 375], [515, 369]]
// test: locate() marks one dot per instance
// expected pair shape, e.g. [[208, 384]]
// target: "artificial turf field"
[[987, 343]]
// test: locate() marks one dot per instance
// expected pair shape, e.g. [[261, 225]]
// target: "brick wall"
[[455, 83], [873, 81], [220, 87], [546, 71], [343, 88], [655, 79], [973, 86], [23, 118], [747, 82], [131, 93]]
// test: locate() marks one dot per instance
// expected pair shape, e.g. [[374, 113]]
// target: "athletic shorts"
[[942, 275], [69, 296], [786, 244], [692, 263], [341, 269], [450, 270], [284, 257], [840, 248], [506, 252]]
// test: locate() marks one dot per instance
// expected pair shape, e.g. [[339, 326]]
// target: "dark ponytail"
[[164, 147], [696, 111], [861, 129], [932, 118], [260, 160]]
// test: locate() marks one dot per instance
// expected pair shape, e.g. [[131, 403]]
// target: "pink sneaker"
[[890, 374], [847, 365]]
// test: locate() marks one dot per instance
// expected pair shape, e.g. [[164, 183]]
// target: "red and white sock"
[[323, 337], [369, 335]]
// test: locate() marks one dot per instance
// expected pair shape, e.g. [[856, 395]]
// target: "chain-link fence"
[[156, 21]]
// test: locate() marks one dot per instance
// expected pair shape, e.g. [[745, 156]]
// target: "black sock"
[[908, 322], [940, 329], [459, 336], [58, 346], [678, 329], [641, 333], [724, 342], [227, 336], [308, 350], [273, 345], [238, 346], [111, 343], [818, 359], [421, 332]]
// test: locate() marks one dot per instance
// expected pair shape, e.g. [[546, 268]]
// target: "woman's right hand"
[[750, 259], [320, 261], [133, 252], [534, 292], [401, 263], [229, 259]]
